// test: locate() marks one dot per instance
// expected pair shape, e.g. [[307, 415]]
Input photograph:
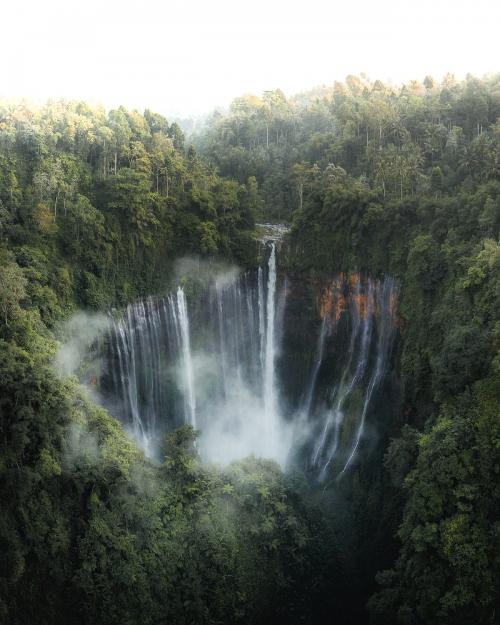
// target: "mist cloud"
[[77, 335]]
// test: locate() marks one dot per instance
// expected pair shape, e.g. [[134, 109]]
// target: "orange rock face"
[[355, 292], [333, 301]]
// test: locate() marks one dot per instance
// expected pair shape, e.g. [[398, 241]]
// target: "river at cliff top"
[[272, 232]]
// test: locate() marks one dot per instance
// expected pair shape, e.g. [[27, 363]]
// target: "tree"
[[445, 571], [12, 290]]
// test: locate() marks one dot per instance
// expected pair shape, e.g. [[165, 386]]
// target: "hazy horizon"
[[186, 58]]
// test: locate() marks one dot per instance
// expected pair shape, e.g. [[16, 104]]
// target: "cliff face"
[[264, 363], [337, 365]]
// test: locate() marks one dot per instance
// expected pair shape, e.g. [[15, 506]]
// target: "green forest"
[[95, 208]]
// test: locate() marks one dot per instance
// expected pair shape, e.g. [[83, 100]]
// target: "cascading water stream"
[[383, 346], [187, 360], [220, 378], [219, 362], [270, 351], [262, 330], [325, 328], [344, 390], [370, 311]]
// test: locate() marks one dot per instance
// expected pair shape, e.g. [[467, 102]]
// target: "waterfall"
[[269, 397], [136, 347], [371, 312], [210, 363], [220, 360], [262, 330], [306, 408], [343, 391], [186, 357], [383, 346]]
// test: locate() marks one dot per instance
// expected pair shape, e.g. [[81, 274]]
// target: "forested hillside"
[[420, 139], [406, 182], [96, 206], [107, 200]]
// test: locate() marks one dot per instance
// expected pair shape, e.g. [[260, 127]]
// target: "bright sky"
[[185, 57]]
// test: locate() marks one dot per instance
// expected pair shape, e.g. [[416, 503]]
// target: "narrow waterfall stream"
[[187, 361], [270, 350]]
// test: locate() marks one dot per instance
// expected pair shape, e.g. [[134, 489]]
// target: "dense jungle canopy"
[[95, 208]]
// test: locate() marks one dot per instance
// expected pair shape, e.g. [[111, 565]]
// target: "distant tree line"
[[422, 138]]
